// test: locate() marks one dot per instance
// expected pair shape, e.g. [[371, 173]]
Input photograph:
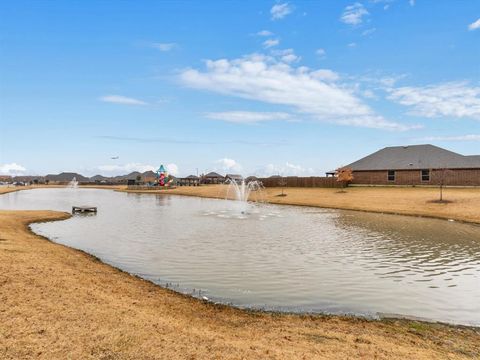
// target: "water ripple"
[[287, 257]]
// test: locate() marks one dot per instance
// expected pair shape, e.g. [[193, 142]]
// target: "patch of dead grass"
[[57, 303]]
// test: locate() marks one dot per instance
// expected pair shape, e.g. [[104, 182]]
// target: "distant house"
[[138, 177], [29, 179], [251, 178], [190, 180], [213, 178], [99, 179], [149, 177], [5, 178], [416, 165], [234, 177], [66, 177]]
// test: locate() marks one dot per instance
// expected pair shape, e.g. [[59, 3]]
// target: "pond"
[[285, 258]]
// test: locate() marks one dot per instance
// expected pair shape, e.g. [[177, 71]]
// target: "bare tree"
[[344, 175], [282, 182], [442, 180]]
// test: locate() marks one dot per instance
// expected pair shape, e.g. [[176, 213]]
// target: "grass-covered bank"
[[57, 302]]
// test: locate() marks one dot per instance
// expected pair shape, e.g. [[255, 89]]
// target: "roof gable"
[[213, 175]]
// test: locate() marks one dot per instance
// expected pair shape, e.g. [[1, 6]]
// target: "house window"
[[391, 175], [425, 175]]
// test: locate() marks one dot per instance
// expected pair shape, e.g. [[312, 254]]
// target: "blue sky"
[[256, 87]]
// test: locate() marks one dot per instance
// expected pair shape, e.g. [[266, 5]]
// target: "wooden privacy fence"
[[294, 181]]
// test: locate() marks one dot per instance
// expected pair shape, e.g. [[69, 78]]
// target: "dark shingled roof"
[[415, 157], [66, 176], [234, 176], [213, 175], [99, 178]]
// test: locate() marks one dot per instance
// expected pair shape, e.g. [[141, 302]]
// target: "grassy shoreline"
[[58, 302]]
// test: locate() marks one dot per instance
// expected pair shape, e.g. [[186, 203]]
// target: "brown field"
[[8, 189], [464, 203], [60, 303], [5, 189]]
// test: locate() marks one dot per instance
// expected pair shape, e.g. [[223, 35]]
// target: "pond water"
[[283, 258]]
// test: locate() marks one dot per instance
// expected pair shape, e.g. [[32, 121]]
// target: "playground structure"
[[162, 177]]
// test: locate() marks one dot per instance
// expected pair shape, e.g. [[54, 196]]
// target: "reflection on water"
[[276, 257], [416, 251]]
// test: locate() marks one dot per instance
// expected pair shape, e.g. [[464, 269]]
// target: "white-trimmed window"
[[426, 175]]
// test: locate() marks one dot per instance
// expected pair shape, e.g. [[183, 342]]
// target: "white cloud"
[[321, 53], [279, 11], [172, 169], [119, 99], [12, 169], [287, 169], [454, 99], [126, 168], [288, 58], [271, 80], [369, 94], [227, 164], [390, 80], [412, 2], [353, 14], [248, 117], [270, 43], [470, 137], [164, 46], [325, 75], [387, 2], [264, 33], [352, 45], [475, 25], [287, 55]]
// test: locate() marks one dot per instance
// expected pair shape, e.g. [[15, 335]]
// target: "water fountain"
[[242, 192], [73, 184]]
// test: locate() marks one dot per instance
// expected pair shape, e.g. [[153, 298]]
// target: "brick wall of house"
[[454, 177]]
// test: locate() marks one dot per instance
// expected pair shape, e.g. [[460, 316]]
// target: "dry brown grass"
[[60, 303], [8, 189], [463, 203]]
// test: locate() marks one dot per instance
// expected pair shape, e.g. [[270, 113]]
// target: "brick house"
[[416, 165], [234, 177], [212, 178]]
